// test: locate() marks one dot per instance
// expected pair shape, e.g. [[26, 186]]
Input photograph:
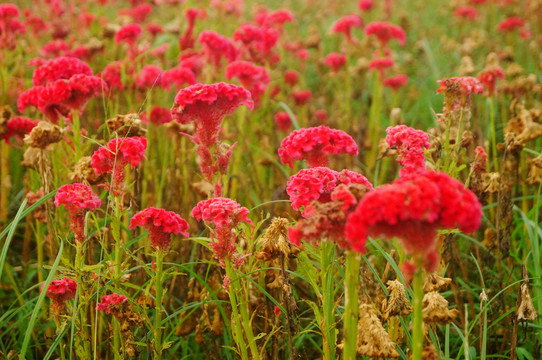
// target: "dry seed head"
[[83, 172], [275, 241], [126, 125], [526, 310], [491, 182], [524, 126], [397, 303], [373, 340], [434, 282], [31, 157], [430, 353], [175, 128], [435, 309], [44, 134], [467, 67], [203, 188], [5, 115], [535, 170]]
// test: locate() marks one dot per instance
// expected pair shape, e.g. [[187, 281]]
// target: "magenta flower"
[[111, 303], [410, 144], [160, 224], [60, 291]]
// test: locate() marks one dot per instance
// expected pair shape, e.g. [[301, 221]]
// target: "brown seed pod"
[[83, 172], [275, 242], [397, 302], [435, 309], [434, 282], [373, 340], [126, 125], [44, 134]]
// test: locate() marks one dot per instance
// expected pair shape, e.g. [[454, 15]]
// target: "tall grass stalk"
[[327, 255], [158, 304], [353, 261], [417, 331]]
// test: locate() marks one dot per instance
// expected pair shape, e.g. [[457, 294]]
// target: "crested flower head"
[[396, 82], [385, 31], [283, 120], [335, 61], [178, 76], [111, 303], [160, 224], [346, 23], [18, 127], [511, 24], [128, 33], [60, 291], [410, 144], [315, 145], [60, 68], [217, 46], [254, 78], [488, 77], [412, 209], [148, 77]]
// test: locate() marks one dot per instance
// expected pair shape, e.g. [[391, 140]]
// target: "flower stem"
[[158, 312], [351, 305], [493, 134], [76, 134], [79, 263], [236, 325], [327, 251], [417, 334]]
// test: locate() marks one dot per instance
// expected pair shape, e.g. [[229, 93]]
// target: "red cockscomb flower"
[[112, 75], [365, 5], [257, 43], [302, 97], [225, 215], [317, 184], [335, 61], [413, 209], [345, 24], [217, 46], [129, 34], [385, 31], [18, 127], [60, 291], [274, 19], [380, 65], [179, 77], [148, 77], [396, 82], [159, 115], [480, 158], [283, 120], [315, 145], [511, 24], [78, 199], [488, 77], [59, 68], [160, 224], [118, 153], [291, 77], [466, 12], [410, 144], [253, 77], [111, 303]]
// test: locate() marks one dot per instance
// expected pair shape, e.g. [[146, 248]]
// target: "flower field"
[[242, 179]]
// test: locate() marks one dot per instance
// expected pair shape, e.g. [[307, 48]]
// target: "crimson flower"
[[60, 291], [410, 144], [488, 77], [252, 77], [160, 224], [346, 23], [18, 127], [385, 31], [335, 61], [217, 46], [396, 82], [511, 24], [315, 145], [111, 303], [283, 120]]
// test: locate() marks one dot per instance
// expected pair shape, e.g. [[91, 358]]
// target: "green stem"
[[79, 263], [235, 322], [118, 272], [158, 312], [76, 135], [493, 134], [417, 334], [374, 120], [327, 252], [353, 260]]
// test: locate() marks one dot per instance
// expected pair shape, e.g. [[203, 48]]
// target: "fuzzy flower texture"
[[60, 291], [410, 144], [315, 145], [224, 214], [111, 303], [413, 209], [160, 224], [78, 199]]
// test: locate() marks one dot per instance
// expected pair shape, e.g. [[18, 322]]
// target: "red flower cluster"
[[178, 76], [385, 32], [410, 144], [253, 77], [186, 41], [148, 77], [511, 24], [466, 12], [283, 120], [10, 26], [335, 61], [488, 77], [224, 214], [365, 5], [128, 34], [315, 145], [60, 291], [396, 82], [380, 65], [291, 77], [458, 90], [302, 97], [257, 43], [78, 199], [480, 158], [159, 115], [62, 68], [118, 153], [346, 23], [111, 303], [274, 19], [160, 224], [217, 46], [18, 127], [317, 184], [112, 75], [413, 209]]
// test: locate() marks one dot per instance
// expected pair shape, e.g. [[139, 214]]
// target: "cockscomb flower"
[[138, 13], [346, 24], [78, 199], [10, 26], [466, 12], [365, 5], [317, 184], [160, 224], [178, 77], [114, 157], [60, 291], [128, 34], [321, 115], [59, 68], [217, 46], [206, 105], [148, 77], [302, 97], [380, 65], [111, 303], [410, 144], [315, 145], [275, 19], [54, 49], [186, 41], [291, 77], [511, 24], [252, 77], [396, 82], [458, 91], [224, 215], [335, 61], [283, 120], [18, 127], [413, 209], [385, 31], [159, 115], [112, 75], [257, 43], [480, 158], [488, 77]]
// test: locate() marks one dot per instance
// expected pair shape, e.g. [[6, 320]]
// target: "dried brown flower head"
[[435, 309], [275, 241], [5, 115], [31, 157], [83, 172], [535, 170], [373, 340], [524, 125], [126, 125], [397, 302], [44, 134], [434, 282], [526, 311]]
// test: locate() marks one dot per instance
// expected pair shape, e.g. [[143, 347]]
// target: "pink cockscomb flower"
[[396, 82], [224, 215], [111, 303], [385, 31], [160, 224], [317, 184], [159, 115], [186, 41], [129, 34], [138, 13], [257, 43], [178, 77], [315, 145], [60, 68], [365, 5], [291, 77], [252, 77], [148, 77], [302, 97], [114, 157], [410, 144], [480, 158], [413, 209], [321, 115], [511, 24], [112, 75], [78, 199], [488, 77], [466, 12], [458, 91], [335, 61], [380, 65], [18, 127], [283, 120], [60, 291], [346, 24], [274, 19], [217, 46], [10, 26]]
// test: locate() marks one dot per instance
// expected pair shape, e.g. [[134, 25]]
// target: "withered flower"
[[373, 339], [44, 134], [435, 309], [434, 282], [84, 173], [397, 303], [126, 125], [275, 241]]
